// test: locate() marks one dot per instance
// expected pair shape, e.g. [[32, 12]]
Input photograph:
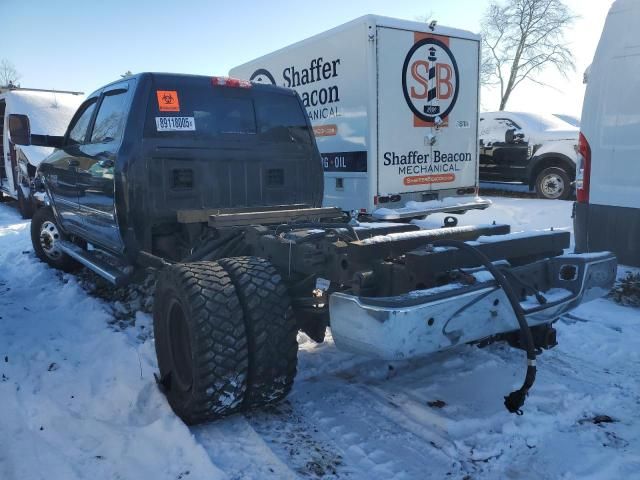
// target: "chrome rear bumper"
[[427, 321]]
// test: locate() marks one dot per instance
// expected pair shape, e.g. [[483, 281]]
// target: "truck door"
[[503, 156], [427, 112], [60, 168], [96, 174]]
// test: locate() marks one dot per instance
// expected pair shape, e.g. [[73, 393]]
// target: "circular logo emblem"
[[430, 80], [263, 76]]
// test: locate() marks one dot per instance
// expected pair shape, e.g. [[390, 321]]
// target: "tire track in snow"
[[235, 447]]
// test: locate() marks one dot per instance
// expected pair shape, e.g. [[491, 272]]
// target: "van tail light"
[[230, 82], [583, 173]]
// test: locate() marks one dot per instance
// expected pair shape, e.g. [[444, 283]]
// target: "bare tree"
[[520, 39], [428, 18], [8, 73]]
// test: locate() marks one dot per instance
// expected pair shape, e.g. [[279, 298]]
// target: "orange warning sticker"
[[168, 101]]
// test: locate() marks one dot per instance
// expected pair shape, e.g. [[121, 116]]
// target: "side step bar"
[[110, 273]]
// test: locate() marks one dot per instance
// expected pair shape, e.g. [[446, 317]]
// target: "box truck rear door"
[[427, 111]]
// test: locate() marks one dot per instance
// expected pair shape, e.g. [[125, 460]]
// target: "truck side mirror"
[[19, 129], [509, 136]]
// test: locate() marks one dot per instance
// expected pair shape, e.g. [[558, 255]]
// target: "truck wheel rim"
[[180, 346], [552, 185], [49, 240]]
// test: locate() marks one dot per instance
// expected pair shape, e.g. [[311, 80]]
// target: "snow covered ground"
[[79, 398]]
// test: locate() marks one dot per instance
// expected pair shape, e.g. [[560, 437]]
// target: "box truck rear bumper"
[[422, 209], [426, 321]]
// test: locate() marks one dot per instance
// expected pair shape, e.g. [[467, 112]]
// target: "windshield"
[[200, 110]]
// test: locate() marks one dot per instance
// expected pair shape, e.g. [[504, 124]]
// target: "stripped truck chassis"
[[386, 292]]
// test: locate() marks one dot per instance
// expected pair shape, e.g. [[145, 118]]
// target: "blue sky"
[[81, 45]]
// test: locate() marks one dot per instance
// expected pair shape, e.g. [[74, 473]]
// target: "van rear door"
[[427, 111]]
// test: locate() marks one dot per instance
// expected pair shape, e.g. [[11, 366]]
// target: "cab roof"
[[167, 76]]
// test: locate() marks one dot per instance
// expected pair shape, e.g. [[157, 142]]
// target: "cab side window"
[[508, 123], [111, 117], [492, 130], [78, 132]]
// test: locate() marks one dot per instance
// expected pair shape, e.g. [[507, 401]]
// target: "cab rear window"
[[209, 112]]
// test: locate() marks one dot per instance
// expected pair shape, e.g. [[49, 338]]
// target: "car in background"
[[538, 150], [47, 112], [607, 211], [570, 119]]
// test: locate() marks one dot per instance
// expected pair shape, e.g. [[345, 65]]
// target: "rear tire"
[[271, 329], [553, 183], [45, 232], [200, 341]]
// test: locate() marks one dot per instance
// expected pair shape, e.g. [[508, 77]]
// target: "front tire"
[[200, 341], [553, 183], [271, 329], [45, 235]]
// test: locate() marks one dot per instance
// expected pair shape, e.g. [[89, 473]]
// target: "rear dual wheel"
[[225, 337], [270, 326]]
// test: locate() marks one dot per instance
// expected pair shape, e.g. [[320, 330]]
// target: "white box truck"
[[607, 211], [394, 107], [48, 113]]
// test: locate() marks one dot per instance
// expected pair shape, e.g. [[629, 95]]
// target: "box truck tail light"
[[583, 174], [230, 82]]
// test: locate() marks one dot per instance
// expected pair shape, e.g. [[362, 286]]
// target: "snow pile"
[[79, 398]]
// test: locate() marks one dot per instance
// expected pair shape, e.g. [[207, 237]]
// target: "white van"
[[48, 113], [607, 211], [394, 107]]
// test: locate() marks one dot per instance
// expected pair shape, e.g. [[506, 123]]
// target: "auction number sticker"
[[175, 124]]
